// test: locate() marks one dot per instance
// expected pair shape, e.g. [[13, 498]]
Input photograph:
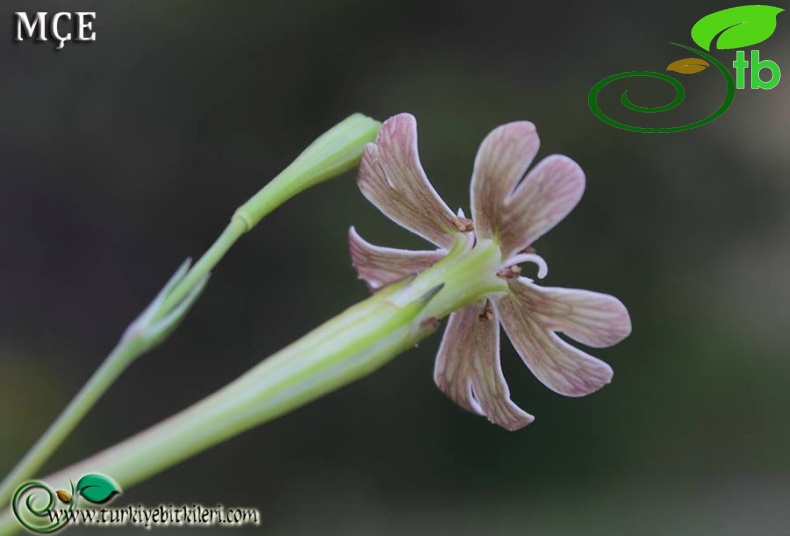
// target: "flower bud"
[[336, 151]]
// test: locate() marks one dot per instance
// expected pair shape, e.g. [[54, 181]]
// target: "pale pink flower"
[[514, 210]]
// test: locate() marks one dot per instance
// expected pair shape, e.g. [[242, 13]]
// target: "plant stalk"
[[350, 346]]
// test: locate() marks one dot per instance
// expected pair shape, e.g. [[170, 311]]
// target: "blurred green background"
[[122, 157]]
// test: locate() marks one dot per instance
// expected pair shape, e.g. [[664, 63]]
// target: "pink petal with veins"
[[391, 177], [542, 200], [513, 211], [501, 162], [379, 266], [594, 319], [468, 368], [560, 366]]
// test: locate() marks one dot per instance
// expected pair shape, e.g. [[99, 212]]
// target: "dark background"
[[122, 157]]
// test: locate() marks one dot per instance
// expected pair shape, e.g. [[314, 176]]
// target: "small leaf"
[[97, 488], [688, 65], [739, 27]]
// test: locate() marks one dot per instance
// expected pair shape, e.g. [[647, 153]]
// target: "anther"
[[430, 322], [465, 225], [488, 314], [511, 272]]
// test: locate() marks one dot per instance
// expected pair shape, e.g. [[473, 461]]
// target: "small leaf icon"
[[688, 65], [97, 488], [739, 27]]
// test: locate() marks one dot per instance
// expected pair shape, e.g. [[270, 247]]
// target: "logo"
[[47, 517], [737, 27], [42, 510]]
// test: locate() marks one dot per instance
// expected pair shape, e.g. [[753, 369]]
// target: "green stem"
[[116, 362], [112, 367], [344, 349], [126, 351], [235, 229], [336, 151]]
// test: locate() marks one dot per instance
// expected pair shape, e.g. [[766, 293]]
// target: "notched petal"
[[560, 366], [468, 369], [595, 319], [501, 162], [391, 177], [517, 212], [548, 193], [380, 266]]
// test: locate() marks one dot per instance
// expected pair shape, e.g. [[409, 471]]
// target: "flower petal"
[[379, 266], [542, 200], [468, 368], [594, 319], [391, 177], [518, 213], [561, 367], [501, 162]]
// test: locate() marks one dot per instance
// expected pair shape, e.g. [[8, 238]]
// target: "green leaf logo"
[[97, 488], [739, 27]]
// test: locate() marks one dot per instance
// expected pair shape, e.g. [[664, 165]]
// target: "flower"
[[513, 213]]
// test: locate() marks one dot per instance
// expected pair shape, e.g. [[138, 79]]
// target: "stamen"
[[464, 225], [429, 323], [543, 268], [488, 314], [511, 272]]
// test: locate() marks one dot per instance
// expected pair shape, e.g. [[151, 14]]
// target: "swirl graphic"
[[26, 497], [680, 94]]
